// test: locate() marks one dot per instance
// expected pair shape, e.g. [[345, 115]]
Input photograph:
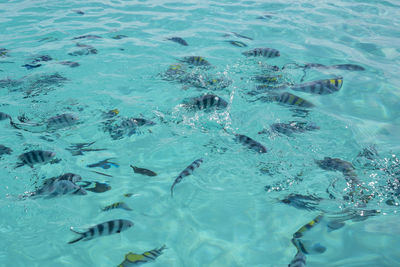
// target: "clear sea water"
[[223, 214]]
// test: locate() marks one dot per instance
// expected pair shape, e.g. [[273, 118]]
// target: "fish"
[[128, 195], [237, 43], [119, 36], [299, 260], [106, 228], [186, 172], [61, 185], [178, 40], [196, 61], [105, 164], [293, 127], [34, 157], [136, 122], [42, 58], [242, 36], [250, 143], [86, 50], [4, 116], [351, 67], [88, 36], [302, 202], [143, 171], [31, 66], [206, 102], [61, 121], [3, 52], [117, 205], [293, 100], [320, 87], [70, 64], [5, 150], [299, 233], [336, 164], [98, 187], [265, 52], [79, 12], [132, 259]]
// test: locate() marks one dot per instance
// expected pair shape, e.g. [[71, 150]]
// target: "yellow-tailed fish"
[[117, 205], [132, 259]]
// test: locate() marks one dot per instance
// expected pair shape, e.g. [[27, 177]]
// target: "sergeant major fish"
[[293, 100], [293, 127], [61, 185], [106, 228], [250, 143], [117, 205], [5, 150], [61, 121], [320, 87], [186, 172], [34, 157], [196, 61], [132, 259], [206, 102], [265, 52], [299, 260]]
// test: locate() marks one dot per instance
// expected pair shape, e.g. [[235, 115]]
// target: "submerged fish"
[[250, 143], [143, 171], [34, 157], [61, 121], [31, 66], [98, 187], [5, 150], [178, 40], [105, 164], [206, 102], [237, 43], [196, 61], [336, 164], [293, 100], [42, 58], [351, 67], [320, 87], [70, 64], [132, 259], [186, 172], [106, 228], [301, 201], [299, 260], [265, 52], [299, 233], [4, 116], [117, 205], [61, 185], [293, 127]]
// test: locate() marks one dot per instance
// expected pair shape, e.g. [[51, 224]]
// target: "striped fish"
[[299, 260], [61, 121], [117, 205], [308, 246], [132, 259], [293, 100], [4, 116], [320, 87], [299, 233], [186, 172], [61, 185], [237, 43], [265, 52], [178, 40], [106, 228], [35, 156], [206, 102], [351, 67], [293, 127], [250, 143], [196, 61]]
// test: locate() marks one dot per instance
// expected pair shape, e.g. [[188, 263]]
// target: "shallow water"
[[227, 213]]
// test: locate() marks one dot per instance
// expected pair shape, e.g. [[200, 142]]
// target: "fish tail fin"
[[82, 235], [172, 190]]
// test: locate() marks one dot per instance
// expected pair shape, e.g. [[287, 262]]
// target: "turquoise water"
[[227, 213]]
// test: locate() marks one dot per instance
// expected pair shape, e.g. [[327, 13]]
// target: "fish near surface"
[[61, 121], [293, 100], [178, 40], [320, 87], [293, 127], [4, 116], [132, 259], [102, 229], [34, 157], [5, 150], [250, 143], [299, 260], [196, 61], [206, 102], [97, 188], [143, 171], [186, 172], [336, 164], [265, 52], [117, 205], [61, 185]]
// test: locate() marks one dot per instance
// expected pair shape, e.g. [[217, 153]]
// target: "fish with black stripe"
[[293, 100], [5, 150], [61, 185], [4, 116], [320, 87], [250, 143], [299, 260], [117, 205], [206, 102], [106, 228], [196, 61], [186, 172], [265, 52], [133, 259], [34, 157], [61, 121]]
